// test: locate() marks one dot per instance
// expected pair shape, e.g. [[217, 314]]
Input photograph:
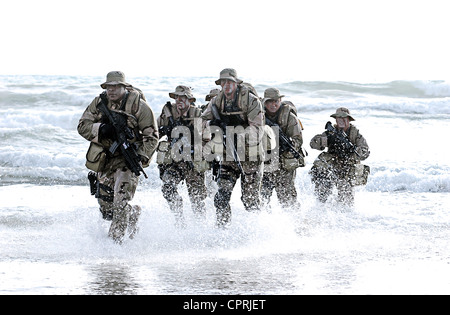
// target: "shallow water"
[[378, 249], [393, 241]]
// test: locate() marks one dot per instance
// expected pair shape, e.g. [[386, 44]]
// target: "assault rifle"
[[285, 143], [123, 133], [340, 141], [223, 126], [167, 131]]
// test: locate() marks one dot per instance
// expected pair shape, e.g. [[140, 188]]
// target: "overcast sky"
[[348, 40]]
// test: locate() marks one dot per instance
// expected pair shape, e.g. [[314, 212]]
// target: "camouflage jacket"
[[319, 142], [290, 125], [140, 119], [250, 110]]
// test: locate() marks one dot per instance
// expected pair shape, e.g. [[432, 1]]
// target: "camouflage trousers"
[[117, 189], [282, 181], [171, 175], [227, 176], [324, 179]]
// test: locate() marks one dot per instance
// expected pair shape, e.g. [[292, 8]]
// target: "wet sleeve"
[[89, 123], [319, 142], [294, 131], [148, 127], [362, 147], [207, 116]]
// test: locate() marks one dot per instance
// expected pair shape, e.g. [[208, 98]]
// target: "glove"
[[164, 130], [106, 131]]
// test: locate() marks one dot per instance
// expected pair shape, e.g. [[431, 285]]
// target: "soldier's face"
[[115, 92], [182, 103], [228, 86], [343, 123], [272, 105]]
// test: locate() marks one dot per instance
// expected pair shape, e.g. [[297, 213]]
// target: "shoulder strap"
[[132, 103]]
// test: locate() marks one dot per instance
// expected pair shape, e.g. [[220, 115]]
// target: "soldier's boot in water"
[[119, 223]]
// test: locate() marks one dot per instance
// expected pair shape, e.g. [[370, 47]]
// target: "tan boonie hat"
[[228, 74], [271, 94], [182, 90], [342, 112], [114, 78], [212, 93]]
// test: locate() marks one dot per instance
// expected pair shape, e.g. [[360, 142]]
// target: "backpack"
[[287, 108], [141, 94]]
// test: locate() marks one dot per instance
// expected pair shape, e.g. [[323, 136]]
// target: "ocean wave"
[[428, 179], [409, 97], [43, 167], [410, 89], [31, 117]]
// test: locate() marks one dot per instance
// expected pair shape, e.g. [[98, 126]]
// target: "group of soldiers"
[[236, 135]]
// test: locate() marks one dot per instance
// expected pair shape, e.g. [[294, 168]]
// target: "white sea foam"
[[55, 242]]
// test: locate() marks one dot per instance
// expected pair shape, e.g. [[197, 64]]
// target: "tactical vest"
[[193, 112], [188, 121], [237, 114], [352, 133], [132, 104], [283, 113]]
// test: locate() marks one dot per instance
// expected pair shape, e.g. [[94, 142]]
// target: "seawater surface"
[[393, 241]]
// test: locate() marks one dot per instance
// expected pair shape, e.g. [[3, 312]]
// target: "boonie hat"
[[228, 74], [114, 78], [342, 112], [271, 94], [212, 93], [182, 90]]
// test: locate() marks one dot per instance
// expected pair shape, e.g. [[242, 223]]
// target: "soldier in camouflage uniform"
[[177, 122], [237, 106], [341, 165], [116, 183], [282, 178]]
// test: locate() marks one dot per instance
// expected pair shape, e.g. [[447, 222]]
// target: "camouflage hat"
[[271, 94], [342, 112], [114, 78], [228, 74], [212, 93], [182, 90]]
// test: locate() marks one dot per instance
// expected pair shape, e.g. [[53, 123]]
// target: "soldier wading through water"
[[176, 162], [282, 116], [341, 165], [235, 115], [123, 136]]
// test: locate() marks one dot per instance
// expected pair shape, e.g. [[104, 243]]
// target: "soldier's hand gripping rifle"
[[222, 125], [284, 142], [338, 138], [123, 134]]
